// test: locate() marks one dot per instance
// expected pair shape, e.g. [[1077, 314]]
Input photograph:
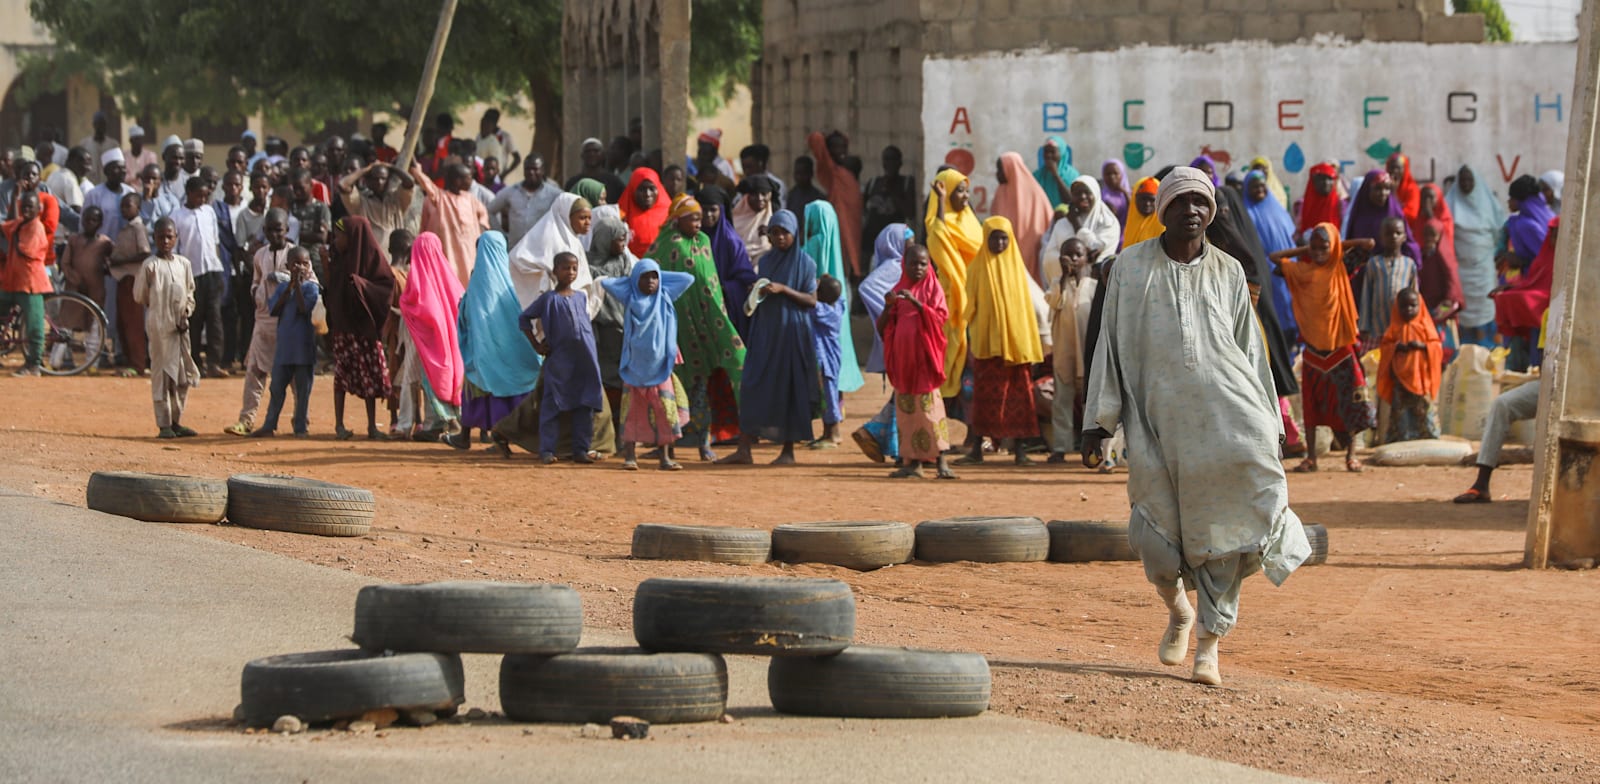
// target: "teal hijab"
[[1064, 168], [499, 360], [822, 244]]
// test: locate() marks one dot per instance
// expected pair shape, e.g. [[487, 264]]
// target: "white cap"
[[135, 130], [172, 140], [113, 155], [195, 146]]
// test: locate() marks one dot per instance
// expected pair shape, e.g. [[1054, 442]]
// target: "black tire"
[[592, 685], [983, 539], [469, 617], [331, 685], [300, 506], [717, 544], [881, 683], [1318, 536], [762, 616], [158, 498], [1075, 541], [860, 545]]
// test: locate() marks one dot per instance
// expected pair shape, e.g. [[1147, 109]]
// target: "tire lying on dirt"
[[330, 685], [469, 617], [881, 683], [860, 545], [762, 616], [1318, 536], [158, 498], [591, 685], [983, 539], [1076, 541], [717, 544], [300, 506]]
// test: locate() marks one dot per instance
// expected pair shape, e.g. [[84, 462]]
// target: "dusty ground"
[[1421, 651]]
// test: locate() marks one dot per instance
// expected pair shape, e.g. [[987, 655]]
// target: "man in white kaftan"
[[1182, 366]]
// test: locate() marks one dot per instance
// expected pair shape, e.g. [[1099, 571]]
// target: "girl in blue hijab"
[[501, 366], [651, 412]]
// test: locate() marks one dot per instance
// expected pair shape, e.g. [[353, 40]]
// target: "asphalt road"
[[122, 644]]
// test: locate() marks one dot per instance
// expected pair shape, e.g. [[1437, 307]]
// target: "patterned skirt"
[[652, 415], [924, 432], [1334, 391], [1002, 400], [359, 367], [1411, 417]]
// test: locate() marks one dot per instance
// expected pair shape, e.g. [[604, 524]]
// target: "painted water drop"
[[1294, 159]]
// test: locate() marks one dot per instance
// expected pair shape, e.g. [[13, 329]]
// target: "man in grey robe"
[[1182, 366]]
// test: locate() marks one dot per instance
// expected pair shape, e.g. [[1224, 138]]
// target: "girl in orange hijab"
[[644, 209], [1405, 186], [1408, 371]]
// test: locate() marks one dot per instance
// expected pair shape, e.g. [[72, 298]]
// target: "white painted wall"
[[1328, 99]]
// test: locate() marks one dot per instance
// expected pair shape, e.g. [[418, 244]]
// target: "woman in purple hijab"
[[728, 251], [1530, 221], [1374, 203], [1206, 164], [1114, 188]]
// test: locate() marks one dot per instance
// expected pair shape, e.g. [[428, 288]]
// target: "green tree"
[[726, 38], [1496, 27]]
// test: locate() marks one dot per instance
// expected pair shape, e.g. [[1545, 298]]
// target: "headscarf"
[[748, 223], [1417, 371], [1275, 186], [1272, 221], [782, 362], [844, 193], [914, 343], [1406, 190], [1366, 221], [608, 320], [592, 191], [429, 306], [1025, 204], [533, 259], [822, 245], [1324, 305], [650, 331], [1556, 180], [1186, 179], [706, 336], [497, 358], [1439, 278], [360, 283], [887, 251], [1479, 218], [1316, 208], [1063, 169], [999, 309], [646, 224], [1215, 176], [1100, 230], [1142, 227], [1520, 307], [953, 242], [733, 261], [1526, 229], [1116, 198]]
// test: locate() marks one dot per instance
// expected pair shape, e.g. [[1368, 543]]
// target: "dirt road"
[[1421, 651]]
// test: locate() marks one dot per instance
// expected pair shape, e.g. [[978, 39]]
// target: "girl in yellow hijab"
[[1005, 343], [954, 237], [1143, 222]]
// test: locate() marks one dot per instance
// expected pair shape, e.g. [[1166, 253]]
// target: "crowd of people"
[[710, 302]]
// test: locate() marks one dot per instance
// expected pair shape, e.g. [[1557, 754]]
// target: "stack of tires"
[[265, 501], [806, 627]]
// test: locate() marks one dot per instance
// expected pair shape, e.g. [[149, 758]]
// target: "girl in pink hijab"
[[429, 306], [1020, 199]]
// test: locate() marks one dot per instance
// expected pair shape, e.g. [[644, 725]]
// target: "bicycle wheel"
[[75, 334]]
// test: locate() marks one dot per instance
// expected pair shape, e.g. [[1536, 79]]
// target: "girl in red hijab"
[[644, 209], [912, 325], [1321, 203], [1405, 186]]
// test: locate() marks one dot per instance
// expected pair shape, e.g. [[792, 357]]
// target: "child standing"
[[1408, 371], [165, 287], [652, 410], [571, 374], [1388, 272], [131, 248], [294, 338], [23, 279], [1005, 344], [268, 271], [1070, 299], [83, 268], [826, 319], [912, 326]]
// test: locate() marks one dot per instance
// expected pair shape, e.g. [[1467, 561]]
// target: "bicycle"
[[76, 336]]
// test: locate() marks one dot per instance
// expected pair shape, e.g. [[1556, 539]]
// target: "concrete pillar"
[[674, 84], [1564, 513]]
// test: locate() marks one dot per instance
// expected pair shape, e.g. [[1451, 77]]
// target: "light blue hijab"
[[650, 328], [499, 359], [822, 244]]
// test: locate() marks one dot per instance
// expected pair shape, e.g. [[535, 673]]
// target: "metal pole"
[[430, 74]]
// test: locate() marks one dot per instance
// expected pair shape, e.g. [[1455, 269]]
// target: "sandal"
[[868, 445], [1354, 466], [967, 460], [671, 466], [945, 473], [344, 435], [630, 465], [500, 446], [1305, 467], [1473, 496]]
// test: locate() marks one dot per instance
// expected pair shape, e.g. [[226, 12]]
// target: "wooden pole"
[[430, 74]]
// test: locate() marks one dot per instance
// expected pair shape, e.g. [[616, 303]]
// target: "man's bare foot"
[[785, 459], [908, 471], [741, 457]]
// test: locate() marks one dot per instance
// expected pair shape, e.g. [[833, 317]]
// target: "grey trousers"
[[1516, 405], [1215, 582]]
